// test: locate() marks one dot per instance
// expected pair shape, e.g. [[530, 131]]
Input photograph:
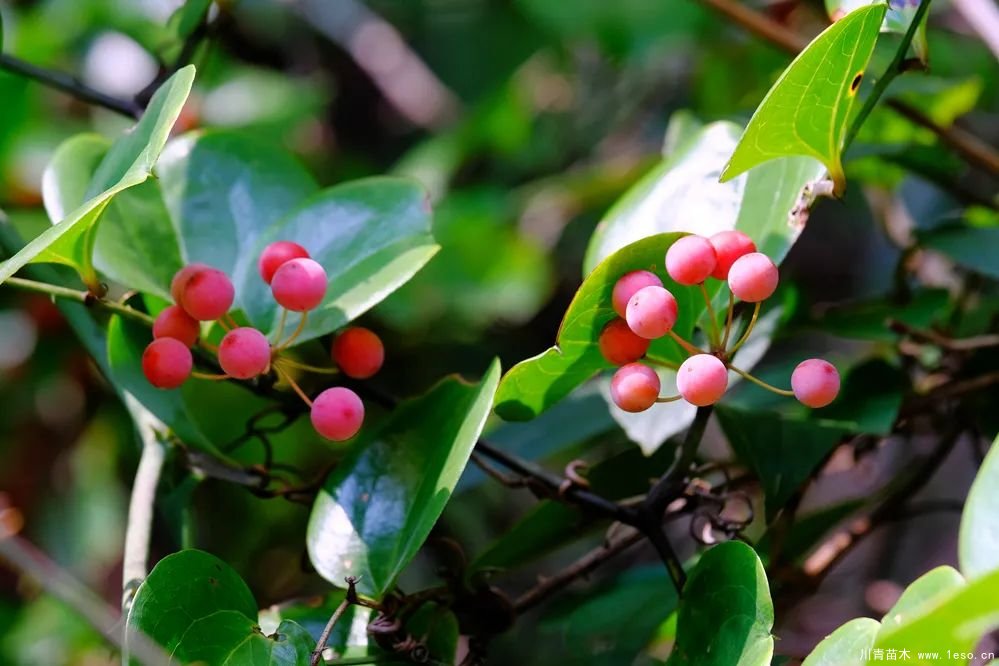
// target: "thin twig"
[[348, 599], [79, 296], [942, 341], [70, 85]]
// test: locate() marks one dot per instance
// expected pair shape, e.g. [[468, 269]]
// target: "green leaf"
[[726, 613], [955, 623], [545, 528], [128, 162], [923, 593], [229, 638], [868, 320], [534, 385], [348, 637], [807, 109], [184, 588], [974, 248], [897, 20], [188, 16], [870, 398], [377, 506], [371, 235], [978, 545], [682, 193], [438, 627], [782, 451], [847, 646]]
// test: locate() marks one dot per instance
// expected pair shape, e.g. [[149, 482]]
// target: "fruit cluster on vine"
[[298, 284], [648, 311]]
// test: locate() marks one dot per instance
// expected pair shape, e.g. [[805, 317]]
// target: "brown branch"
[[941, 340], [975, 151]]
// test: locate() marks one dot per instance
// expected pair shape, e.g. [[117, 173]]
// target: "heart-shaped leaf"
[[726, 613], [807, 109], [377, 506], [127, 163], [534, 385], [847, 646], [978, 549]]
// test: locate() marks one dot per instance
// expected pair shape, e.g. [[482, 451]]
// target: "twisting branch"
[[69, 85], [971, 148]]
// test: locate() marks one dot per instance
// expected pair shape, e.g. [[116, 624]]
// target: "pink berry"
[[815, 382], [619, 345], [167, 363], [729, 246], [207, 294], [173, 322], [651, 312], [337, 414], [244, 353], [627, 285], [299, 284], [702, 380], [753, 277], [181, 277], [634, 387], [690, 260], [358, 352], [276, 254]]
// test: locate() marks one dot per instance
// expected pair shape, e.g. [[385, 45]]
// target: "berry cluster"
[[648, 311], [298, 283]]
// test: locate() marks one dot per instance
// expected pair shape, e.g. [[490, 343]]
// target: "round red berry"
[[619, 344], [753, 277], [627, 285], [729, 246], [207, 294], [702, 380], [634, 387], [173, 322], [181, 277], [815, 382], [359, 352], [690, 260], [244, 353], [651, 312], [299, 285], [337, 414], [276, 254], [167, 363]]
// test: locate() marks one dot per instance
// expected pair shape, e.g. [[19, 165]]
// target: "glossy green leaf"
[[956, 623], [868, 320], [371, 235], [229, 638], [534, 385], [807, 109], [782, 451], [184, 588], [974, 248], [978, 546], [185, 20], [847, 646], [726, 613], [377, 506], [349, 636], [923, 593], [128, 162], [869, 399], [682, 193], [545, 528]]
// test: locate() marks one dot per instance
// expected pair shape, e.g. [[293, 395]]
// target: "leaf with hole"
[[378, 505], [807, 110]]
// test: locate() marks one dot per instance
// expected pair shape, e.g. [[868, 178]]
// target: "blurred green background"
[[525, 119]]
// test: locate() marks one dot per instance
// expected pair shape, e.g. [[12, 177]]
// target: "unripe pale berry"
[[167, 363], [729, 246], [181, 277], [207, 294], [276, 254], [690, 260], [174, 323], [244, 353], [634, 387], [702, 380], [619, 344], [753, 277], [337, 414], [358, 352], [651, 312], [627, 285], [299, 284], [815, 382]]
